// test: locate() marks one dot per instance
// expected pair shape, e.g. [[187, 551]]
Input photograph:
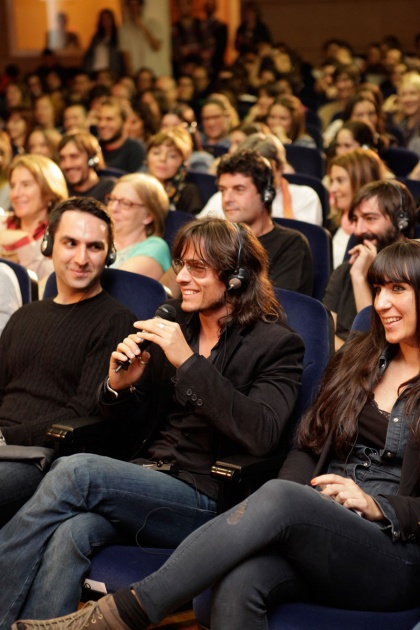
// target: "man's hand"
[[348, 493], [361, 258], [168, 336]]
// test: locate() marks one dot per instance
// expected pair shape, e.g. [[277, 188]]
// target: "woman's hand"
[[348, 493]]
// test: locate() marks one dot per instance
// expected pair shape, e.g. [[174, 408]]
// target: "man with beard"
[[381, 211], [118, 149], [80, 157]]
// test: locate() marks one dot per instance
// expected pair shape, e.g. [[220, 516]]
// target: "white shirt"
[[306, 205]]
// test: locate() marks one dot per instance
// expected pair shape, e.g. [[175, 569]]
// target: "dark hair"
[[354, 371], [392, 198], [217, 242], [250, 163], [100, 29], [361, 132], [82, 204], [348, 69], [295, 108], [360, 98], [85, 142]]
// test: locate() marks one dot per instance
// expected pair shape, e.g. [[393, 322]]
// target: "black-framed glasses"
[[124, 204], [197, 268]]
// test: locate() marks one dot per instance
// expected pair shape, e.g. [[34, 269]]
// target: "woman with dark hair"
[[103, 52], [18, 126], [286, 119], [345, 511], [354, 134]]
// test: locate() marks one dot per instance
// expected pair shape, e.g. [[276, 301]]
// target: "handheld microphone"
[[165, 311]]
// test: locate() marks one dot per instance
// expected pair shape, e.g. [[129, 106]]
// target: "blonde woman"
[[36, 186], [138, 205]]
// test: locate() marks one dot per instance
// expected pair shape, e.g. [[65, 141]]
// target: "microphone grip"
[[124, 365]]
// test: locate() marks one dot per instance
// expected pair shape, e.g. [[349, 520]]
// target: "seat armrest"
[[71, 430], [235, 467], [240, 475], [76, 434]]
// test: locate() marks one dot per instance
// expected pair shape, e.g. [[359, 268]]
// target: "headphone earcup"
[[93, 161], [403, 220], [269, 194], [111, 256], [238, 279], [47, 244]]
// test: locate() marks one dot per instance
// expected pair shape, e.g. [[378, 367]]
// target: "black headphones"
[[269, 192], [402, 219], [240, 276], [47, 244]]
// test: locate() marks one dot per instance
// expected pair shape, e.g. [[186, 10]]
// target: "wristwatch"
[[108, 388]]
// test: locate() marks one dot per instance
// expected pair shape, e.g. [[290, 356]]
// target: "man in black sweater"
[[118, 149], [54, 353]]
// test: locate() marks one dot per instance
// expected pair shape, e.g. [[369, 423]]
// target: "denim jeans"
[[285, 542], [86, 501], [18, 482]]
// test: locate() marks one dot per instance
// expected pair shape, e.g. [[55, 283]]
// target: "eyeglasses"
[[123, 203], [197, 268]]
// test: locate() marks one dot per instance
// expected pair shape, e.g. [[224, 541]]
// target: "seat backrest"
[[23, 278], [309, 318], [205, 183], [175, 219], [320, 243], [413, 186], [316, 134], [301, 179], [139, 293], [305, 160], [361, 322], [399, 160]]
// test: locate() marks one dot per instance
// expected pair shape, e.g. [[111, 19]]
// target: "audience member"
[[347, 495], [291, 201], [18, 126], [347, 174], [167, 156], [11, 298], [103, 50], [354, 134], [5, 160], [215, 119], [381, 212], [138, 205], [80, 158], [408, 117], [218, 32], [61, 38], [190, 40], [197, 372], [140, 39], [75, 118], [252, 30], [45, 114], [54, 352], [36, 186], [44, 142], [246, 191], [286, 119], [345, 80], [118, 149]]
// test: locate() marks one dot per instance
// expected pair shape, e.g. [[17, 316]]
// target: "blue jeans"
[[86, 501], [285, 542], [18, 482]]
